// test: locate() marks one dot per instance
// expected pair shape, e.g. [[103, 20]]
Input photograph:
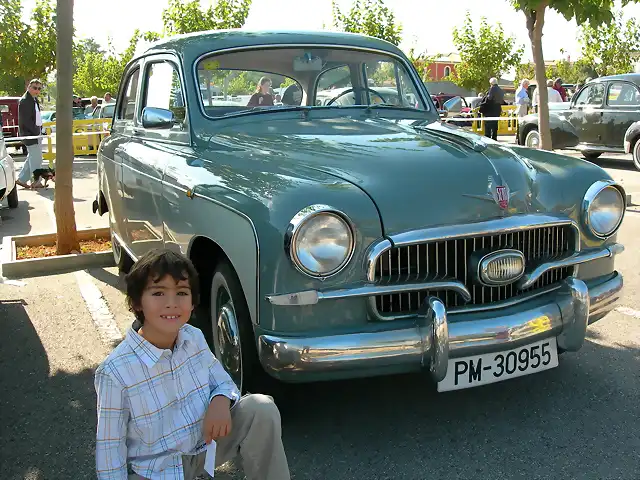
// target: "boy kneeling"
[[163, 396]]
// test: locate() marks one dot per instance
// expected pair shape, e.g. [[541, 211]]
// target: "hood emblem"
[[501, 194]]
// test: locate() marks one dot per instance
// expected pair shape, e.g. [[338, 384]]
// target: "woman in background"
[[262, 97]]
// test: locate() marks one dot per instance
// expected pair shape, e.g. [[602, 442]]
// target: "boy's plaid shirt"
[[151, 403]]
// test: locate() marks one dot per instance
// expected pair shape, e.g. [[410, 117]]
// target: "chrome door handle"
[[138, 131]]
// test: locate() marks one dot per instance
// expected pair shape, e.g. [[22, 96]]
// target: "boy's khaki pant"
[[255, 434]]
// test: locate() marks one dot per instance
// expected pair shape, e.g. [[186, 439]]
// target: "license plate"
[[478, 370]]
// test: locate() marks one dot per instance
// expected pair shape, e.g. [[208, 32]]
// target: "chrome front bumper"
[[431, 339]]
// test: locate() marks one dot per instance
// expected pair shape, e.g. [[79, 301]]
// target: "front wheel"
[[123, 261], [233, 339], [532, 140], [591, 155], [12, 198], [636, 154]]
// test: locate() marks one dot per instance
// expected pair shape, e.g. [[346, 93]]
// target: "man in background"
[[493, 108], [30, 125]]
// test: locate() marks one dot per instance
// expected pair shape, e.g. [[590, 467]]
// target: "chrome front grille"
[[450, 260]]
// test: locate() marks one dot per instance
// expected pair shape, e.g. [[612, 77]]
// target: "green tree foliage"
[[608, 48], [99, 72], [368, 17], [594, 12], [484, 54], [186, 16], [27, 50]]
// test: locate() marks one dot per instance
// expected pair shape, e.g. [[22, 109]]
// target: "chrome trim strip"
[[574, 259], [589, 197], [312, 297], [255, 235], [299, 220], [496, 226], [408, 344]]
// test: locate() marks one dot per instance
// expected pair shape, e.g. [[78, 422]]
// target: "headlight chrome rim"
[[301, 219], [592, 194]]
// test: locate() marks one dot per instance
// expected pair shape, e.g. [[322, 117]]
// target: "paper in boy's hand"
[[210, 458]]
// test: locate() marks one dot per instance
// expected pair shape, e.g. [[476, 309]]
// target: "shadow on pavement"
[[576, 420], [109, 278], [48, 421], [16, 221], [616, 163]]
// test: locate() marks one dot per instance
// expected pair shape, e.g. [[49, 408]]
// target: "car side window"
[[164, 89], [591, 95], [333, 82], [127, 106], [623, 93], [389, 83]]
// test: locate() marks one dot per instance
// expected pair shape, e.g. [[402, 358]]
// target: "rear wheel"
[[591, 155], [12, 198], [120, 255], [532, 140], [636, 154], [233, 339]]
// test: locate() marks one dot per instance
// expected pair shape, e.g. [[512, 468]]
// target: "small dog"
[[44, 173]]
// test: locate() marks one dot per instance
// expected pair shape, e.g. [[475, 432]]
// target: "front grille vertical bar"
[[409, 295], [418, 265], [428, 272], [446, 259], [464, 264], [437, 261], [482, 289], [473, 289]]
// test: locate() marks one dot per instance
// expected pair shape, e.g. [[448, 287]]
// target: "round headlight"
[[604, 208], [321, 243]]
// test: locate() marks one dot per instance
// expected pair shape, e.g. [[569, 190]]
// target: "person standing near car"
[[30, 125], [557, 86], [522, 100], [493, 108], [108, 98]]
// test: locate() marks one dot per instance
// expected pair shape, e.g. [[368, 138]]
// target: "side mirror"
[[157, 118]]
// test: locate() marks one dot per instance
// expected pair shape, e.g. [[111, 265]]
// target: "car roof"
[[198, 43], [629, 77]]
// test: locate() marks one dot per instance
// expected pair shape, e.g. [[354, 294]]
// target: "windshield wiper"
[[270, 109]]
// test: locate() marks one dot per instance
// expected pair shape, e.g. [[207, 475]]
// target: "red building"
[[443, 67]]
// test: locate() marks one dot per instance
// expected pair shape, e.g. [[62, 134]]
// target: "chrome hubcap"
[[534, 141], [227, 342]]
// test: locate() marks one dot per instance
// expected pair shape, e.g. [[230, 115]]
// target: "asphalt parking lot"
[[577, 421]]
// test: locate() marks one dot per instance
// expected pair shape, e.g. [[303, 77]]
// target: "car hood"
[[418, 175]]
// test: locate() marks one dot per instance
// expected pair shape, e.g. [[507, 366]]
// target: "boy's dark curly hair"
[[155, 265]]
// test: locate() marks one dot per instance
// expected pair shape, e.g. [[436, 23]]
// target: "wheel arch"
[[206, 253]]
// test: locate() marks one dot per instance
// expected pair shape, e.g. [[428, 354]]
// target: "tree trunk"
[[67, 237], [535, 22]]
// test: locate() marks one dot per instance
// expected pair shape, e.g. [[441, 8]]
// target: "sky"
[[427, 25]]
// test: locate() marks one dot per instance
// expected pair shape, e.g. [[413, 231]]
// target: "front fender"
[[563, 133]]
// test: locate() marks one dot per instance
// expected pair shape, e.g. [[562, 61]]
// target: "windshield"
[[252, 80], [107, 111]]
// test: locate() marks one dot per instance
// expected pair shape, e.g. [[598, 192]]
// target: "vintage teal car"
[[346, 239]]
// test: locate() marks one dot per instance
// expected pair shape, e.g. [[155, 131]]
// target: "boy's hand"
[[217, 419]]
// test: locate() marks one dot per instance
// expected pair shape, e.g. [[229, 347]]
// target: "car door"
[[585, 113], [113, 153], [621, 110], [151, 148]]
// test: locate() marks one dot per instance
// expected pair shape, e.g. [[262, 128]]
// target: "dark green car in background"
[[339, 239], [594, 122]]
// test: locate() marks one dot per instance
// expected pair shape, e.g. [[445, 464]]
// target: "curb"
[[34, 267]]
